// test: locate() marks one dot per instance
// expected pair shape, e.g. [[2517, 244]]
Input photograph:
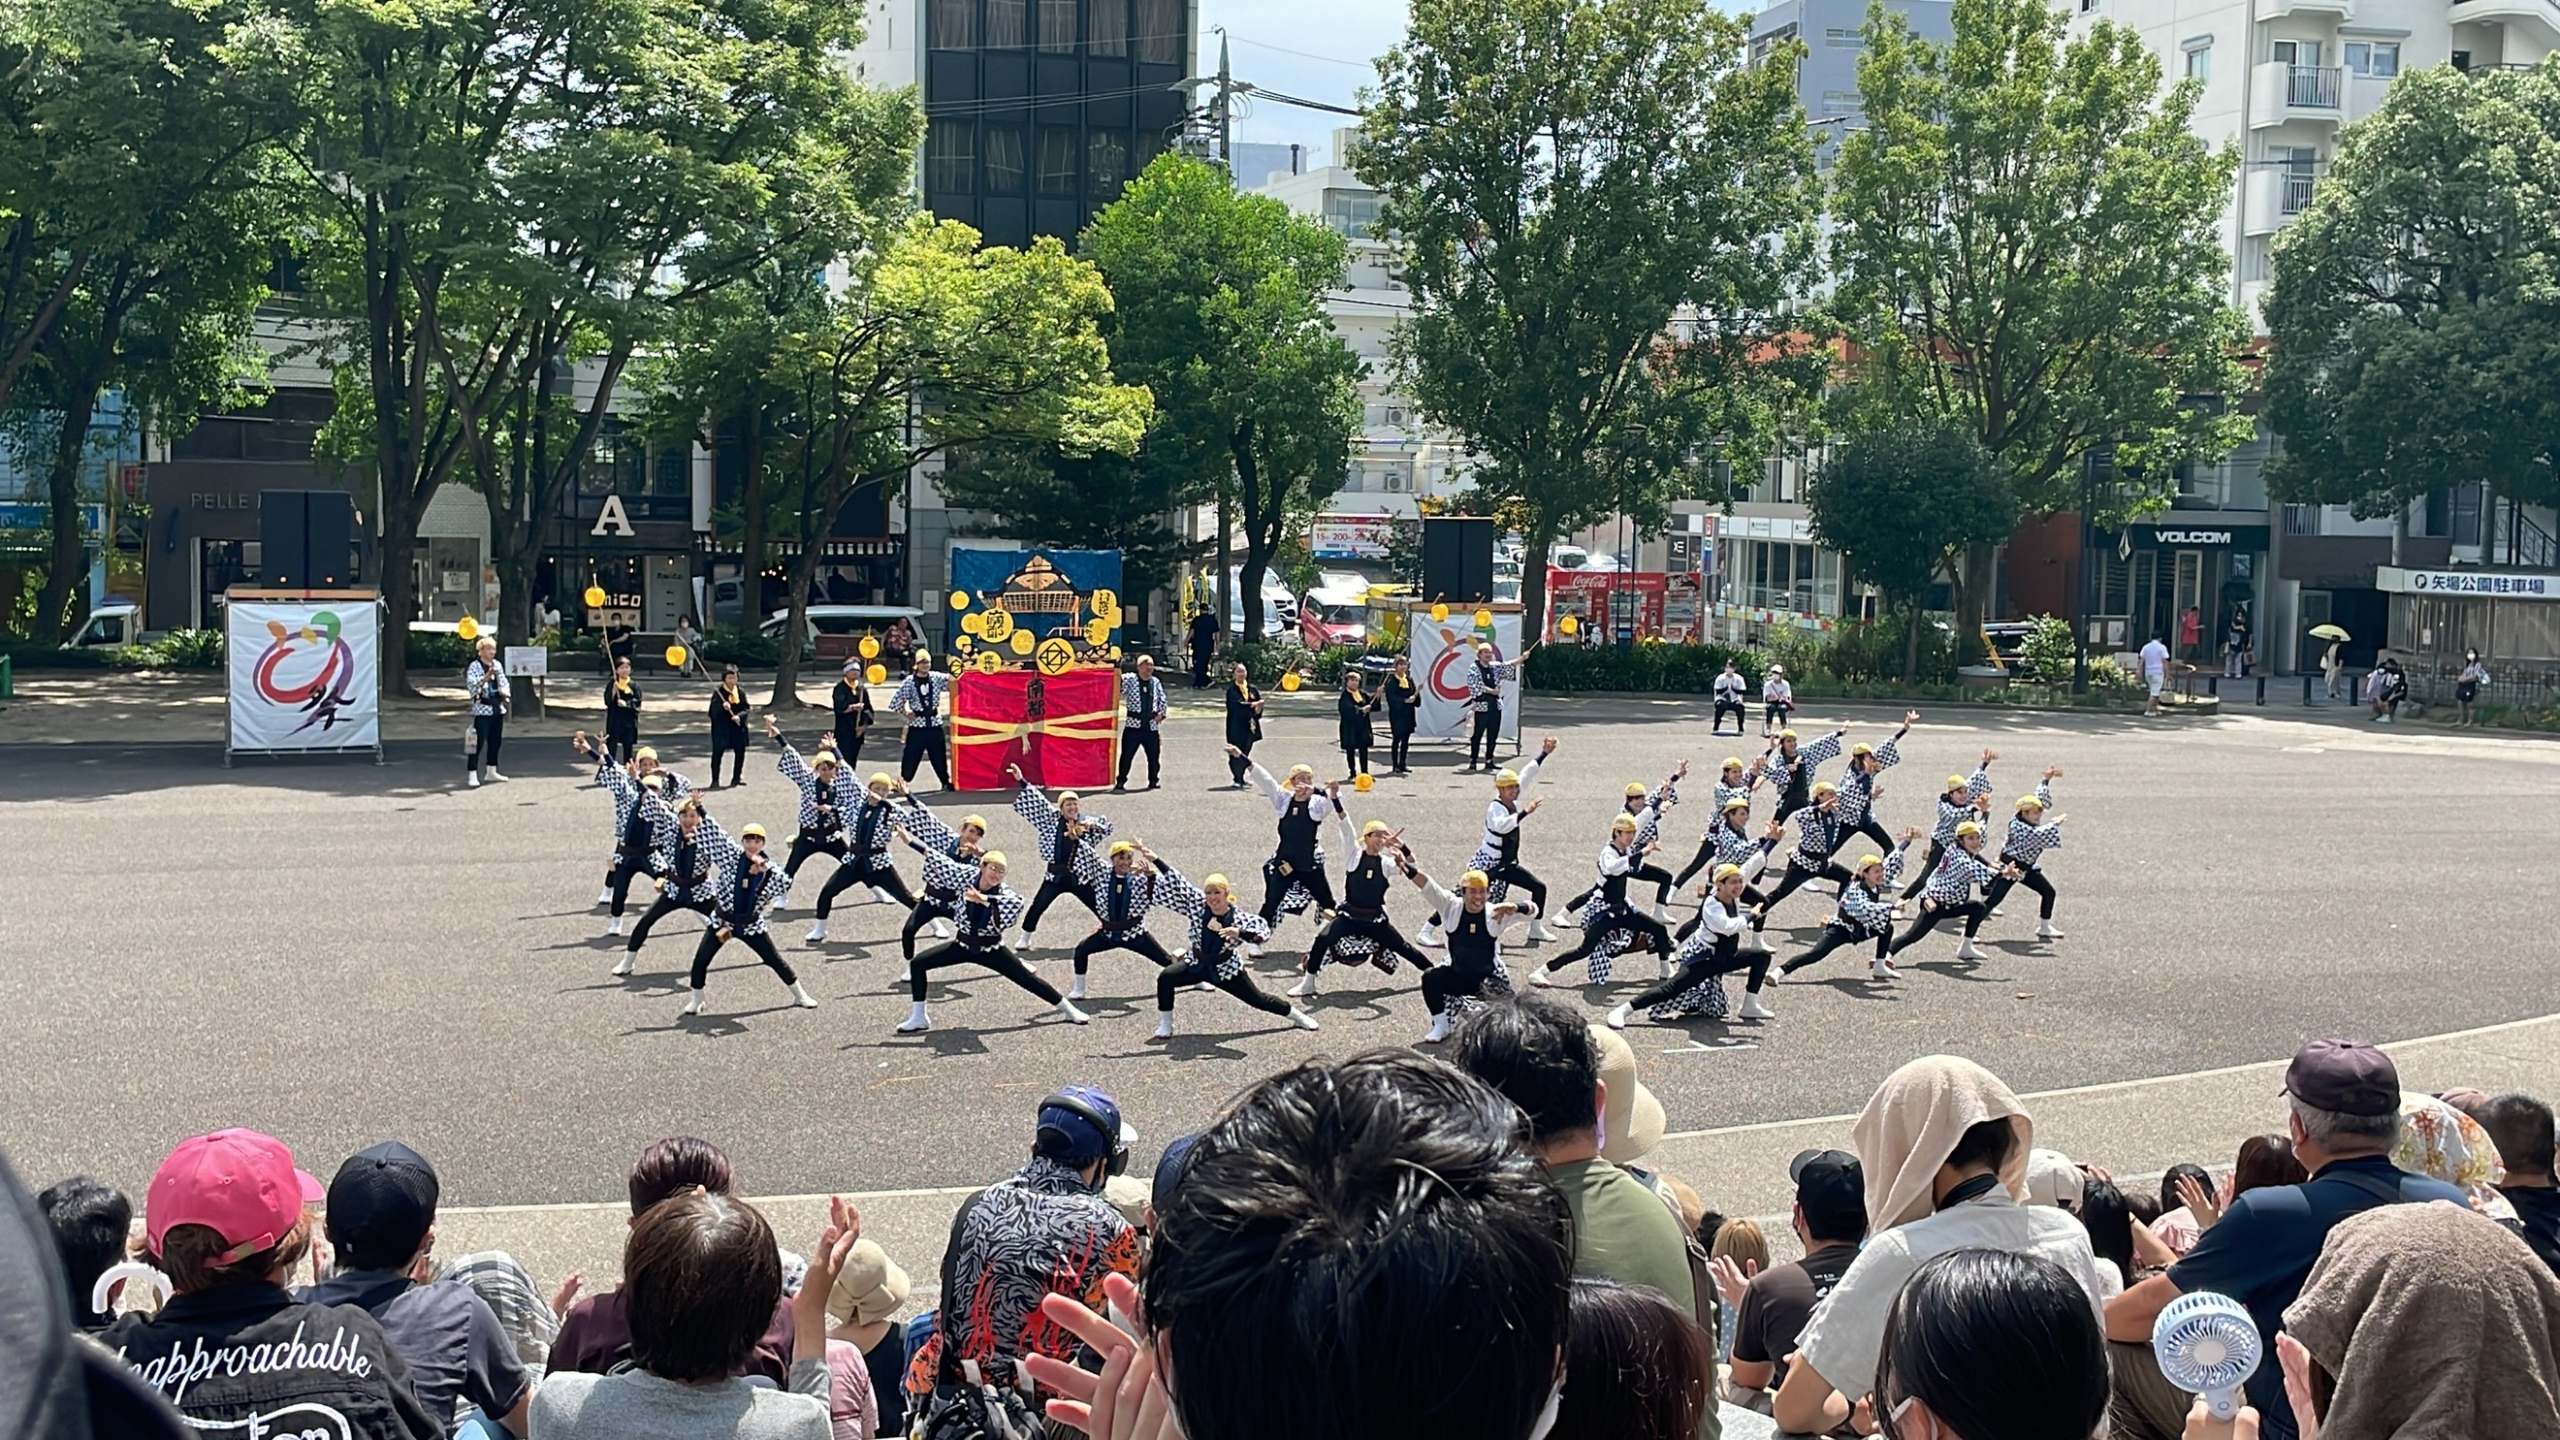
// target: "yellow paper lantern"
[[1484, 619], [1289, 681], [467, 628], [1569, 624], [1021, 642], [959, 599], [1115, 654], [1439, 614], [869, 646], [595, 597], [875, 674], [995, 624], [1363, 783], [988, 664], [1097, 632], [973, 624], [675, 657]]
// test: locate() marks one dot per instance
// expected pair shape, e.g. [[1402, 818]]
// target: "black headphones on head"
[[1118, 1164]]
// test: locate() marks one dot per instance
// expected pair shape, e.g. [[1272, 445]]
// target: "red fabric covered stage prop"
[[1063, 730]]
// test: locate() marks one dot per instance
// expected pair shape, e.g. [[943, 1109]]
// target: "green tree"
[[2028, 243], [140, 198], [1101, 501], [1219, 311], [2416, 334], [1902, 501], [936, 343], [1603, 215]]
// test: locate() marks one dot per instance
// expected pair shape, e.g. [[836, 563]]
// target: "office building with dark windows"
[[1036, 111]]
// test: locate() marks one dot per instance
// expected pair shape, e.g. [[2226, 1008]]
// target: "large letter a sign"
[[612, 519]]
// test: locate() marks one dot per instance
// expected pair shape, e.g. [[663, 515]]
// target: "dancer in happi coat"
[[1866, 913], [1948, 894], [687, 872], [1294, 879], [1069, 847], [988, 908], [1134, 885], [1474, 925], [1611, 923], [2030, 835], [1221, 932], [750, 885], [1696, 986], [1361, 924], [1964, 798], [938, 899], [1498, 853]]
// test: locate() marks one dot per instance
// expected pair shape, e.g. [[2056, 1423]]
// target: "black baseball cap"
[[382, 1201], [1832, 1188], [2346, 1077]]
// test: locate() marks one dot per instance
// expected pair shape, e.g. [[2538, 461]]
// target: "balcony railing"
[[2314, 87], [2296, 194]]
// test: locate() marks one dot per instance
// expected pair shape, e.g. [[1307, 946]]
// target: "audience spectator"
[[92, 1222], [530, 1321], [1738, 1242], [2442, 1143], [382, 1219], [595, 1333], [700, 1277], [2344, 1098], [1942, 1146], [1637, 1367], [1770, 1308], [2175, 1224], [232, 1349], [867, 1293], [1988, 1344], [1045, 1230], [1334, 1216], [2264, 1161], [2125, 1248], [2521, 1126], [1539, 1054], [2424, 1320]]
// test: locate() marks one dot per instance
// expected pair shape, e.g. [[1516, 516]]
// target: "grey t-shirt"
[[636, 1405], [447, 1335]]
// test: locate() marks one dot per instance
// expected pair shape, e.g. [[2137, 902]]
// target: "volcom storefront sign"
[[612, 519], [2196, 537]]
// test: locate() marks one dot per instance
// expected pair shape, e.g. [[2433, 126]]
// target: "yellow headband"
[[2030, 802], [1861, 751], [993, 857], [1473, 880], [1738, 802], [1870, 862], [752, 832], [1120, 848], [1297, 772], [1824, 787], [1507, 777], [645, 752], [1786, 734], [1634, 789], [1374, 827], [881, 779], [1968, 828], [974, 822], [1731, 763], [1215, 882], [1728, 872], [1623, 825]]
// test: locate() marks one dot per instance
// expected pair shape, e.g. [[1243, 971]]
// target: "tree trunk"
[[1912, 619], [795, 624], [1973, 586], [63, 607], [751, 544], [398, 559], [1533, 584], [1256, 556]]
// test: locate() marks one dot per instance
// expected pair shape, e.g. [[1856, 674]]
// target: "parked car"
[[845, 622], [114, 624], [1279, 607]]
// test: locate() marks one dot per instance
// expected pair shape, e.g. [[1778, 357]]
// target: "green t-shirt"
[[1622, 1231]]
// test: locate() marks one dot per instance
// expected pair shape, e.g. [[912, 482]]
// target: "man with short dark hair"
[[1771, 1308], [2521, 1127], [1333, 1218], [1045, 1230], [1538, 1052], [2344, 1098], [382, 1219], [91, 1223]]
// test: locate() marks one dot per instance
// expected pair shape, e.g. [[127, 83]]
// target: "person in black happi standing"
[[621, 713], [729, 727], [1204, 645], [853, 715], [1244, 723], [1353, 708], [1404, 708]]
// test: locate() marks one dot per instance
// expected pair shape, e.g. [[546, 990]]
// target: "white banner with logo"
[[1443, 653], [305, 674]]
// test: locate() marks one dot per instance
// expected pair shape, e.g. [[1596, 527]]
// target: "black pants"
[[1928, 867], [802, 847], [1051, 887], [1136, 942], [666, 905], [1486, 735], [1723, 706], [492, 732], [1750, 896], [1355, 759], [760, 943], [1521, 880], [1134, 740], [995, 957], [1275, 885], [2034, 880], [859, 872], [1869, 828], [1774, 717], [924, 746], [1376, 929], [1706, 855], [1199, 665], [1834, 937], [620, 741], [1399, 746], [1705, 967], [1170, 981], [1447, 983], [626, 868], [929, 909], [733, 744], [1798, 873], [849, 746], [1592, 934], [1239, 762], [1661, 878], [1931, 914]]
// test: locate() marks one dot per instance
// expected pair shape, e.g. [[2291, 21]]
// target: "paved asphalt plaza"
[[338, 952]]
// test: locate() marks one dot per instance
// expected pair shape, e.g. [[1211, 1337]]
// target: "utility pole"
[[1222, 113]]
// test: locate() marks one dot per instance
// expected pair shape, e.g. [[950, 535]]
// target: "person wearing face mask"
[[1991, 1345], [1942, 1147]]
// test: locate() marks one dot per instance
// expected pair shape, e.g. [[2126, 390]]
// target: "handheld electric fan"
[[2207, 1344]]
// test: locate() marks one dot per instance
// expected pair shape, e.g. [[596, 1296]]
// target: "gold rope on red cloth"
[[1086, 725]]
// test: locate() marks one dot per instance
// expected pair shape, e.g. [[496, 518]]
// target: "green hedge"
[[1647, 665], [746, 649], [177, 650]]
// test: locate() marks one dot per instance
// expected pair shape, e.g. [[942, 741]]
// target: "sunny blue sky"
[[1320, 49]]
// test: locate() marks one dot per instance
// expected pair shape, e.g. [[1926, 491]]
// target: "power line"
[[1370, 65]]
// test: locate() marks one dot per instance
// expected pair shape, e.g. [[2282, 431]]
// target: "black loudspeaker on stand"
[[1457, 560], [306, 539]]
